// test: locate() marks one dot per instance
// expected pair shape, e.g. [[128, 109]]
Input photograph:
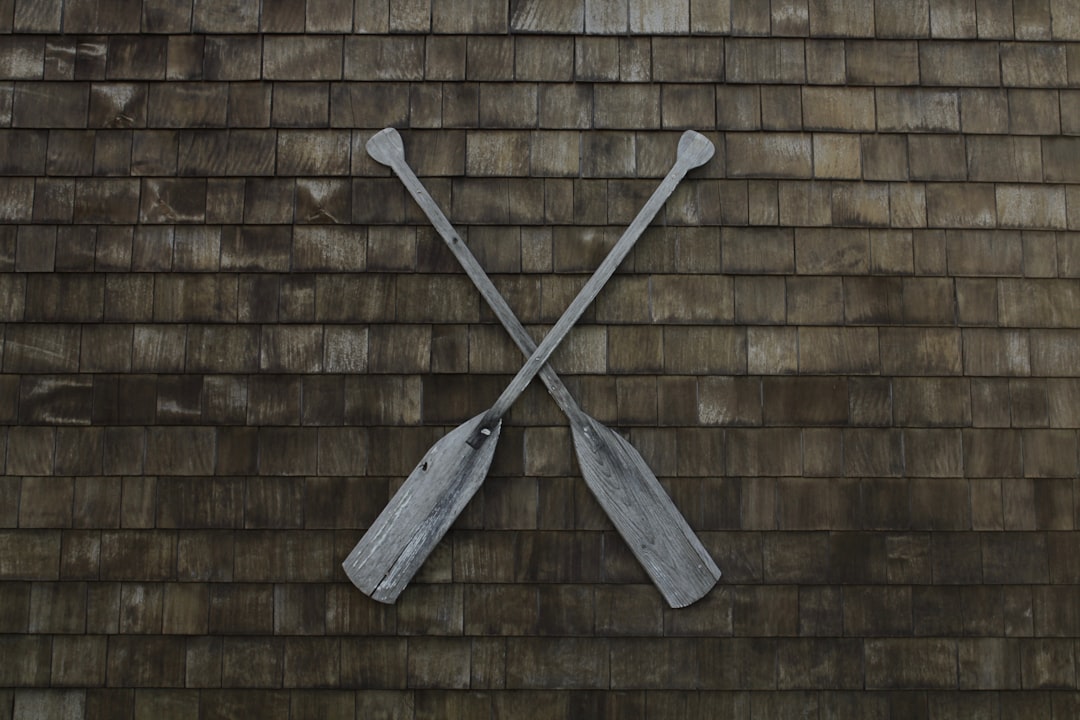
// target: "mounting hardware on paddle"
[[481, 436], [384, 560]]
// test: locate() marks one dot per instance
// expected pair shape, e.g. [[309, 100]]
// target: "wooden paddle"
[[435, 492], [619, 478]]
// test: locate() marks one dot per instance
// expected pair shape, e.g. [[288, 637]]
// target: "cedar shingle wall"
[[848, 348]]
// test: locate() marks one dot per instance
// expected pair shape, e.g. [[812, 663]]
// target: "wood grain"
[[620, 479], [653, 528], [420, 513], [694, 150]]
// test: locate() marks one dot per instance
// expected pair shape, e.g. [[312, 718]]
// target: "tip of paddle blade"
[[385, 146], [387, 595], [692, 586], [421, 512], [695, 148]]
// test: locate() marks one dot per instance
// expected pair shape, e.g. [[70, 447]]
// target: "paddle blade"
[[420, 513], [644, 515], [694, 149], [386, 147]]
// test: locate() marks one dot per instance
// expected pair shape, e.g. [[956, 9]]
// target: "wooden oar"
[[619, 478], [442, 483]]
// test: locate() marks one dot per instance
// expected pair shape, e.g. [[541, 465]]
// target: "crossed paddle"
[[451, 472]]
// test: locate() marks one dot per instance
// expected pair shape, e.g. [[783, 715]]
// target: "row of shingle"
[[546, 105], [235, 560], [331, 400], [534, 663], [209, 551], [853, 18], [971, 578], [395, 349], [314, 609], [856, 610], [539, 58], [389, 351], [423, 348], [483, 702], [505, 153], [818, 296], [562, 503], [968, 256], [856, 502], [800, 505], [270, 205], [546, 451]]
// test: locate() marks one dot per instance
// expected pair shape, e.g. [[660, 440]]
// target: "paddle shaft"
[[654, 529], [385, 558], [483, 283], [587, 294]]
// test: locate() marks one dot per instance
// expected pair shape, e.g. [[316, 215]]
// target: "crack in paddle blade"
[[420, 513]]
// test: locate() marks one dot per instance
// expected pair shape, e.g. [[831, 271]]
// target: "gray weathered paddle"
[[619, 478], [439, 487]]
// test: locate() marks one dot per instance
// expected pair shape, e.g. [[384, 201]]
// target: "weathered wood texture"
[[420, 513], [846, 348], [620, 480]]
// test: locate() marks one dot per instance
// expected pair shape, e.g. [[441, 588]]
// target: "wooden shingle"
[[531, 16], [854, 18], [300, 104], [252, 662], [159, 16], [605, 18], [1036, 111], [383, 58], [753, 452], [54, 202], [784, 155], [1040, 207], [1033, 65], [451, 16], [24, 151], [579, 658], [660, 16], [187, 105], [184, 57], [684, 59], [738, 107], [960, 63], [686, 106], [136, 58], [60, 54], [754, 60], [781, 108], [490, 58], [805, 204], [79, 452], [806, 401], [772, 351], [995, 21], [229, 17]]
